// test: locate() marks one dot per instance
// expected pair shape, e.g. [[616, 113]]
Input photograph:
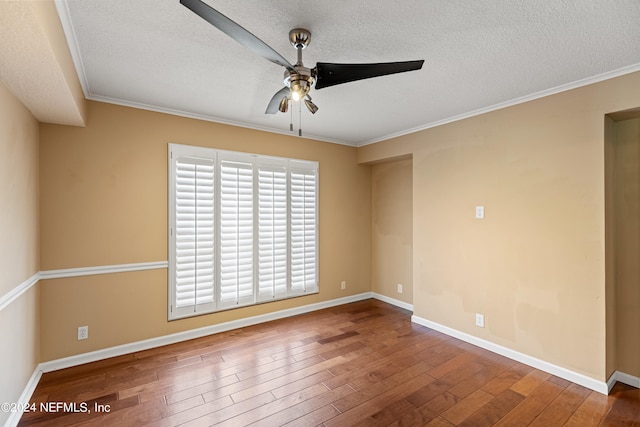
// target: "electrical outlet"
[[343, 285], [83, 332], [399, 288], [480, 320]]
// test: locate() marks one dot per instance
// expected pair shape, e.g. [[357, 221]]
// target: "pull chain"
[[300, 118], [291, 120]]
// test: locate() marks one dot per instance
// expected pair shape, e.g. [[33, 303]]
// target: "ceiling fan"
[[298, 79]]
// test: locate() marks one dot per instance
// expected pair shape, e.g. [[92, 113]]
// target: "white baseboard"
[[575, 377], [623, 378], [14, 417], [392, 301], [54, 365]]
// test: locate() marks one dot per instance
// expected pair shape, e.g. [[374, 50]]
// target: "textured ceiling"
[[35, 68], [479, 55]]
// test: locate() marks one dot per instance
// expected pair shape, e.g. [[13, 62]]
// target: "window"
[[242, 229]]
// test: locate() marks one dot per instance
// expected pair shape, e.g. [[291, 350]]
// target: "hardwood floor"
[[362, 364]]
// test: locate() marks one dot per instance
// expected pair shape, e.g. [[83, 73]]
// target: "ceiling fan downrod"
[[301, 78]]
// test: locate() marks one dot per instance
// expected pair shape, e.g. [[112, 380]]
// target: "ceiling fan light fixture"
[[313, 108], [284, 105], [299, 89]]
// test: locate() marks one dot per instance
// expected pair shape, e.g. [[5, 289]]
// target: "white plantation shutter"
[[243, 229], [193, 234], [303, 229], [236, 233], [272, 231]]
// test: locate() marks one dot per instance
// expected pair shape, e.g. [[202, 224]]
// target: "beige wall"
[[19, 332], [392, 229], [535, 266], [104, 202], [627, 244], [610, 247]]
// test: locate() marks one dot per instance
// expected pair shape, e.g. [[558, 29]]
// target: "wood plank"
[[183, 405], [372, 402], [430, 410], [467, 406], [559, 411], [476, 380], [387, 415], [439, 422], [231, 411], [184, 391], [145, 413], [592, 411], [451, 365], [371, 390], [625, 409], [427, 393], [285, 379], [301, 384], [308, 411], [494, 410], [273, 375], [276, 406], [530, 382], [507, 379], [314, 417], [191, 414], [533, 404], [338, 337]]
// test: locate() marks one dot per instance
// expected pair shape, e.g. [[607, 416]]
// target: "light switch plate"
[[479, 212]]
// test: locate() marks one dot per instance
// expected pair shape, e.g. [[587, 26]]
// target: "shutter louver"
[[303, 230], [194, 232], [236, 233], [272, 232]]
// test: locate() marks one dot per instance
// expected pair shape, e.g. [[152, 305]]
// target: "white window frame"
[[264, 272]]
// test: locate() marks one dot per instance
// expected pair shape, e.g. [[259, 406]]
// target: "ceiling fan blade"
[[272, 108], [334, 74], [235, 31]]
